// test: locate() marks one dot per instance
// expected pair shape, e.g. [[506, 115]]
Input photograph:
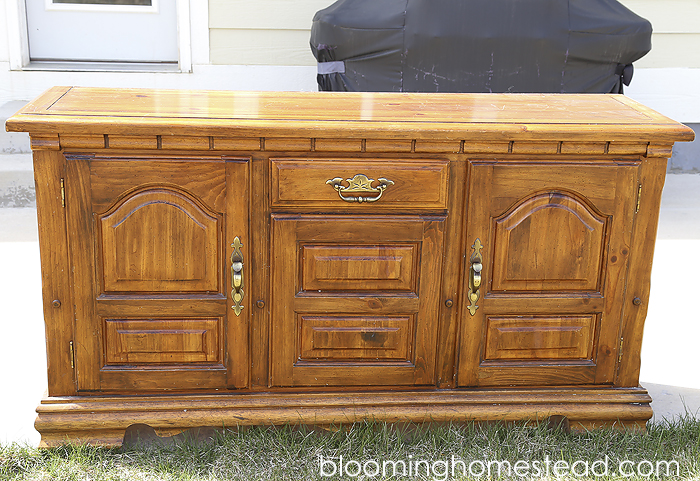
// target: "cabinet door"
[[355, 299], [552, 241], [151, 241]]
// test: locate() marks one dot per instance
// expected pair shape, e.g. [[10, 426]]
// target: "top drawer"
[[359, 184]]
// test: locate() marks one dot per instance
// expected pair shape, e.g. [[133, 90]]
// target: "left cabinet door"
[[151, 245]]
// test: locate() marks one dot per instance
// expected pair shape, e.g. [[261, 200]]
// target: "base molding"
[[104, 419]]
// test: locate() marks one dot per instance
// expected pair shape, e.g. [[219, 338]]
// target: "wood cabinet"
[[232, 258]]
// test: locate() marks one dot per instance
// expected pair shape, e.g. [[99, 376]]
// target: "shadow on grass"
[[372, 450]]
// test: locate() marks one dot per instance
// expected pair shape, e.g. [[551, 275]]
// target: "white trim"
[[17, 39], [87, 7], [184, 36], [199, 26]]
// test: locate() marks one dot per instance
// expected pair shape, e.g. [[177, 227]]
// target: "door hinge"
[[72, 355], [619, 354], [639, 198], [63, 194]]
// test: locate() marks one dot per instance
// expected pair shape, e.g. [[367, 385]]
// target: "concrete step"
[[17, 181], [12, 142]]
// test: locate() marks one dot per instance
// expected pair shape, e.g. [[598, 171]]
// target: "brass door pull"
[[358, 185], [237, 276], [475, 276]]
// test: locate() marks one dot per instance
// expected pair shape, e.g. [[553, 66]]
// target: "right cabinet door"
[[547, 252]]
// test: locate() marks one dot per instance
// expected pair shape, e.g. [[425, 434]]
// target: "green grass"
[[292, 453]]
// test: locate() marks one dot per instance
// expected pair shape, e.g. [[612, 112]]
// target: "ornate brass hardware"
[[237, 276], [359, 184], [475, 276]]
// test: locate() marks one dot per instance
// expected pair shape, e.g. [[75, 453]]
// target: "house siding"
[[676, 38], [262, 32]]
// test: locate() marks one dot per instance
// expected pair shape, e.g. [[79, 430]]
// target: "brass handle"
[[237, 276], [359, 184], [475, 276]]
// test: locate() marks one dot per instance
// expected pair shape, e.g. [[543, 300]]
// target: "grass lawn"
[[370, 451]]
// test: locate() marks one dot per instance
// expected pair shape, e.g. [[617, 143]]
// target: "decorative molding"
[[45, 142], [104, 419], [662, 151], [204, 143]]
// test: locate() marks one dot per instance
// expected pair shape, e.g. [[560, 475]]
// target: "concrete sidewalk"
[[669, 356]]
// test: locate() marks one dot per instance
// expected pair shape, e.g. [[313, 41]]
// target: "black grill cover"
[[553, 46]]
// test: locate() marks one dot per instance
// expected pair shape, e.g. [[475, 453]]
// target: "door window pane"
[[102, 31]]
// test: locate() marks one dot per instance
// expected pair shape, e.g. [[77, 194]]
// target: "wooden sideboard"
[[233, 258]]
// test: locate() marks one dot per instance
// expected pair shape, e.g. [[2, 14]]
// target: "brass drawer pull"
[[358, 185], [237, 276], [475, 276]]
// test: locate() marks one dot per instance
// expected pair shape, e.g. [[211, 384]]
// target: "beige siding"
[[264, 14], [672, 51], [260, 47], [276, 32], [262, 32], [668, 16], [675, 42]]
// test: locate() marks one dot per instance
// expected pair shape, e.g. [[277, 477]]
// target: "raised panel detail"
[[160, 240], [355, 338], [162, 341], [549, 242], [347, 267], [539, 338]]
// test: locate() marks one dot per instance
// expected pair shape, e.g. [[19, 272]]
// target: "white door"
[[102, 30]]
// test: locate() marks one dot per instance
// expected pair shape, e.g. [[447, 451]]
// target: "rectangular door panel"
[[355, 338], [155, 342], [539, 337], [360, 268]]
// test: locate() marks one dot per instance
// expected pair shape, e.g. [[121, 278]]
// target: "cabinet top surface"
[[417, 115]]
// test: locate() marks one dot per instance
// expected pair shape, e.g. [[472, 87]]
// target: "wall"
[[676, 38], [264, 45], [262, 32]]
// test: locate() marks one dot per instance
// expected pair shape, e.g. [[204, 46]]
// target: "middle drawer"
[[350, 185]]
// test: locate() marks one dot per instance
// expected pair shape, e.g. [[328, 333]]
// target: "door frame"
[[18, 38]]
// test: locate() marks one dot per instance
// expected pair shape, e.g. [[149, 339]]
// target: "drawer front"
[[351, 185]]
